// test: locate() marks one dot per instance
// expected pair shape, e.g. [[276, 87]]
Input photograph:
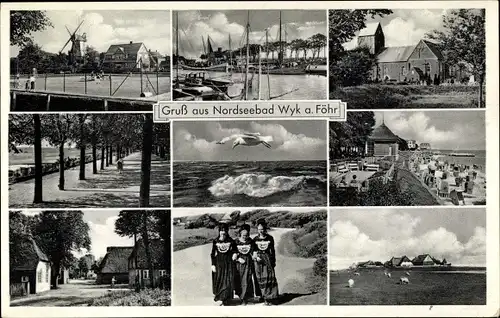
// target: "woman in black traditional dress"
[[264, 263], [223, 255], [244, 265]]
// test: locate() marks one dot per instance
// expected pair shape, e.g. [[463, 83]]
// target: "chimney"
[[219, 49], [131, 42]]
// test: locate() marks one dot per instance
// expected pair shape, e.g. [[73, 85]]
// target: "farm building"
[[31, 269], [126, 57], [114, 264], [398, 261], [382, 142], [402, 63], [425, 260], [138, 270]]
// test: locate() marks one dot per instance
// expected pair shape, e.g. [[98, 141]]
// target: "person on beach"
[[265, 263], [244, 265], [223, 255]]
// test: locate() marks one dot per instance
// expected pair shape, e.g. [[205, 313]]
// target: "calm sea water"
[[49, 155], [73, 84], [479, 158], [216, 184], [304, 87]]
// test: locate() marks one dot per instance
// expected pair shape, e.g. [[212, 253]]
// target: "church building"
[[413, 63]]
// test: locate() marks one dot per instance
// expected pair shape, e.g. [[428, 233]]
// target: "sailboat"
[[219, 67]]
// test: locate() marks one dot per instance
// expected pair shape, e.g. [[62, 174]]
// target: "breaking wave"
[[260, 185]]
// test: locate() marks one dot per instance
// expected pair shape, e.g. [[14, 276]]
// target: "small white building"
[[32, 268]]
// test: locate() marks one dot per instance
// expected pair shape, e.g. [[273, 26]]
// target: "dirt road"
[[76, 293], [192, 282]]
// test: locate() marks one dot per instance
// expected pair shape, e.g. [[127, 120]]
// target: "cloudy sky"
[[102, 230], [176, 213], [220, 24], [459, 235], [103, 28], [292, 140], [406, 27], [451, 130]]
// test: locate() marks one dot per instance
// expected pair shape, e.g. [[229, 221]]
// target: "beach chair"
[[353, 166], [456, 197], [469, 187], [372, 167], [342, 167], [444, 189]]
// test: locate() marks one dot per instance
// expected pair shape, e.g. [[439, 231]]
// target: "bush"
[[320, 267], [146, 297]]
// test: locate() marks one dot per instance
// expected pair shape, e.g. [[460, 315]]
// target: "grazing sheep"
[[351, 283], [407, 273], [404, 280], [357, 274]]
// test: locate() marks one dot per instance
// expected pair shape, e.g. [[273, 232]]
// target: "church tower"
[[372, 37]]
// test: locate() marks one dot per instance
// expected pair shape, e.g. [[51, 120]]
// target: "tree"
[[59, 234], [83, 266], [147, 145], [148, 225], [24, 23], [343, 25], [91, 58], [464, 41], [57, 130], [31, 55], [82, 144], [38, 198], [353, 68], [353, 133]]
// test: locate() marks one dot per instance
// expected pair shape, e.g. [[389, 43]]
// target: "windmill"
[[76, 53]]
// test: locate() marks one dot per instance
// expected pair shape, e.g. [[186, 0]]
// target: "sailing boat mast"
[[230, 54], [267, 63], [204, 47], [248, 56], [280, 57], [177, 46]]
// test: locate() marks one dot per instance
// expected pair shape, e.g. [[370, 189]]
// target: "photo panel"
[[413, 256], [249, 55], [90, 60], [408, 158], [88, 161], [249, 163], [408, 58], [98, 257], [265, 256]]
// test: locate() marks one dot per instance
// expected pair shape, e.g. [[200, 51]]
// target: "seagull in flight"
[[247, 139]]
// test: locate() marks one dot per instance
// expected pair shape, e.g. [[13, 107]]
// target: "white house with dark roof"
[[30, 267], [127, 57]]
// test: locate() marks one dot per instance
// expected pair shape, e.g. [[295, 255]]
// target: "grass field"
[[372, 287], [375, 96], [146, 297]]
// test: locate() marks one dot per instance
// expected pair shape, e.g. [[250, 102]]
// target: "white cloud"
[[101, 32], [189, 147], [193, 27], [349, 245], [417, 126], [103, 235]]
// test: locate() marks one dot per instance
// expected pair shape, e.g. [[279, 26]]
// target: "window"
[[145, 274], [39, 276], [163, 272], [47, 274], [403, 72]]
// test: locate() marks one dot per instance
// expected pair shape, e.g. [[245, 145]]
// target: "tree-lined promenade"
[[131, 141]]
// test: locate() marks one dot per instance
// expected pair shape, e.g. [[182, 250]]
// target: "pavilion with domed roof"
[[382, 143]]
